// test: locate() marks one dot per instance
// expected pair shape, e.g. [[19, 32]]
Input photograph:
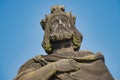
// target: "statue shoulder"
[[88, 55], [83, 53], [31, 64]]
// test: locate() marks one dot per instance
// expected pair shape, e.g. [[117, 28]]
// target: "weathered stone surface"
[[63, 62]]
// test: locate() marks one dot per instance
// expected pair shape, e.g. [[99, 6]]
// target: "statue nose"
[[60, 22]]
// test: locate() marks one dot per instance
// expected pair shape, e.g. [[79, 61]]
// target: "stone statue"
[[63, 62]]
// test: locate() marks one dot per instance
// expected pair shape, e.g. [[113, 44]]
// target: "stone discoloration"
[[63, 62]]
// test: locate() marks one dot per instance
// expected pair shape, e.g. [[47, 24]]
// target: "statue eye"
[[56, 21]]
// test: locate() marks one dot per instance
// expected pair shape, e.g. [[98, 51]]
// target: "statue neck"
[[63, 47]]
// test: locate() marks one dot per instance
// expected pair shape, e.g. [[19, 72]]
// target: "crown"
[[56, 10]]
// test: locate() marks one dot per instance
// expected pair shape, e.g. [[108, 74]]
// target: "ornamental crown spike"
[[57, 8]]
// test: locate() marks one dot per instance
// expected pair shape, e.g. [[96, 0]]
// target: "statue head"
[[59, 26]]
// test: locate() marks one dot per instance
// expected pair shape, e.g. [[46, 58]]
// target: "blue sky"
[[21, 34]]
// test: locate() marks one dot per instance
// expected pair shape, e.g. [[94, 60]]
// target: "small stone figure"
[[63, 62]]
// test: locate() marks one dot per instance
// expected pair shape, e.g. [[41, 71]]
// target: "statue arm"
[[47, 71], [43, 73]]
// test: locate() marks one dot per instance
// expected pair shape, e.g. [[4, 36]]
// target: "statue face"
[[59, 23], [60, 29]]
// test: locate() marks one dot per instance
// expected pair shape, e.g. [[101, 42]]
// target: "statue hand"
[[66, 65]]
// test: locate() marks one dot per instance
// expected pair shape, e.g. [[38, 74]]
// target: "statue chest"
[[88, 71]]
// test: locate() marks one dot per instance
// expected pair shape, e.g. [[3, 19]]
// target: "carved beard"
[[60, 29], [60, 32]]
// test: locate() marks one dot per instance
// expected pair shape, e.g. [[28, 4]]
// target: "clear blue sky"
[[21, 34]]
